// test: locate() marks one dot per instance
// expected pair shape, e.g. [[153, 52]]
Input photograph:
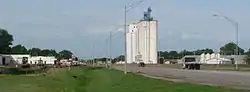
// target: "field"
[[96, 80]]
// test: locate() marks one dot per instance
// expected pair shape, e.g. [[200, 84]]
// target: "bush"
[[19, 71], [26, 66], [248, 60]]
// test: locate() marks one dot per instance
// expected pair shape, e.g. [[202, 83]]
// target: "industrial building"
[[49, 60], [217, 58], [141, 40], [23, 58], [6, 59]]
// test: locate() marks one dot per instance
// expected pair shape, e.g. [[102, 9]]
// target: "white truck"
[[191, 63]]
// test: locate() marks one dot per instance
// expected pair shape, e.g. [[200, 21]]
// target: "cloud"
[[169, 32], [186, 36]]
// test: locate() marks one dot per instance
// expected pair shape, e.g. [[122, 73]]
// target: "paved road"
[[219, 78]]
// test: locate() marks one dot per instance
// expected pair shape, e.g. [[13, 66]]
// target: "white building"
[[45, 60], [218, 59], [8, 58], [142, 42], [20, 59]]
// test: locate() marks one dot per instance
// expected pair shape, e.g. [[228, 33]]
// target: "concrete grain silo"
[[141, 40]]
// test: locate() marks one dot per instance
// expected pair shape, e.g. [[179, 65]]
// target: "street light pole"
[[110, 49], [106, 61], [125, 32], [109, 46], [93, 55], [237, 42], [126, 10], [236, 25]]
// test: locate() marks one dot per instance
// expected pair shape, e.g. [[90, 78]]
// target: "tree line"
[[6, 47], [227, 49]]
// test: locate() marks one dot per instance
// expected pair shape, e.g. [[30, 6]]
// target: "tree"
[[34, 51], [173, 55], [248, 52], [5, 41], [229, 49], [45, 52], [19, 49], [200, 51], [54, 53], [65, 54], [163, 54], [121, 58], [176, 55], [248, 56], [185, 52]]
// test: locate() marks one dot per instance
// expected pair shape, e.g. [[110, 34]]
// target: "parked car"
[[142, 64]]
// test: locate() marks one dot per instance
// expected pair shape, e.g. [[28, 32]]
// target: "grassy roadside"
[[59, 80], [115, 81], [97, 80]]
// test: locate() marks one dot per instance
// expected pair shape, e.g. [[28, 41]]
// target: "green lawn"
[[96, 80]]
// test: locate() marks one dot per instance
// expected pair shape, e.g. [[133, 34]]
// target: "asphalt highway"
[[218, 78]]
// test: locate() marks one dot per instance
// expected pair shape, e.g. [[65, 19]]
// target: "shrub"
[[26, 66]]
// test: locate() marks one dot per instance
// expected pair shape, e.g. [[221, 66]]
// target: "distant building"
[[6, 59], [218, 59], [43, 59]]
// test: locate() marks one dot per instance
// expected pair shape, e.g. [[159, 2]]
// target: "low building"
[[218, 59], [42, 59], [6, 59]]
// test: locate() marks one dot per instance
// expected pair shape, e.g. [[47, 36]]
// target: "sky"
[[83, 26]]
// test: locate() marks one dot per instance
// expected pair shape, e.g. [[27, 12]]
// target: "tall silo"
[[142, 40], [147, 41]]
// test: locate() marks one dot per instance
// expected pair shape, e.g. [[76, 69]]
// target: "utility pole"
[[93, 61], [106, 58], [110, 49], [236, 25], [126, 10], [125, 34]]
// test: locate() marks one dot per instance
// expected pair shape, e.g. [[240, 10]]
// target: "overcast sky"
[[82, 26]]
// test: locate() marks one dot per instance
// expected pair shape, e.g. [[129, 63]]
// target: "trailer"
[[191, 63]]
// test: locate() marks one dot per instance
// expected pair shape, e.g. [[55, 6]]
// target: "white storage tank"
[[202, 60], [142, 41], [207, 56], [213, 56]]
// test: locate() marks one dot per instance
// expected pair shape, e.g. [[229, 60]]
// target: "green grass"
[[97, 80], [59, 80]]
